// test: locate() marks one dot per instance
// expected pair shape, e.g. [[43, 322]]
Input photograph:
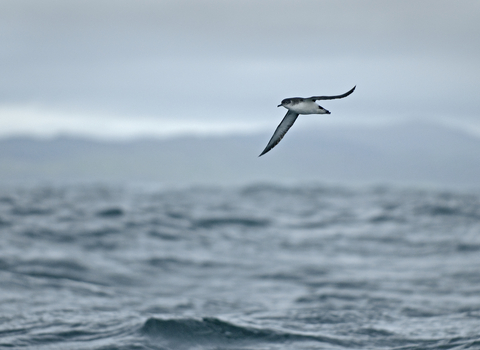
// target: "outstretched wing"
[[315, 98], [281, 130]]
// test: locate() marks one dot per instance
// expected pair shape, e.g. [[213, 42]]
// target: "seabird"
[[296, 106]]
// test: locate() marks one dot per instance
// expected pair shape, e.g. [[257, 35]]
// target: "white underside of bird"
[[307, 107]]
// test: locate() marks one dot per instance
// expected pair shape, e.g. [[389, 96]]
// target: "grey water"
[[97, 266]]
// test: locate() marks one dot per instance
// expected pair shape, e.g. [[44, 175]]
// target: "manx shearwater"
[[297, 106]]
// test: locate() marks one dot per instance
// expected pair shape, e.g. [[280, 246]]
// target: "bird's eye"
[[286, 101]]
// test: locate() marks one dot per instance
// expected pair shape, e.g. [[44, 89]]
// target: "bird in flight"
[[297, 106]]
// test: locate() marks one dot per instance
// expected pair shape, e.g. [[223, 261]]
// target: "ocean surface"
[[94, 266]]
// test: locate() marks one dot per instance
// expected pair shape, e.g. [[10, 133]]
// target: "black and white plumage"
[[297, 106]]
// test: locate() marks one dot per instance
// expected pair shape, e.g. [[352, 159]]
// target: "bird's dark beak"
[[280, 105]]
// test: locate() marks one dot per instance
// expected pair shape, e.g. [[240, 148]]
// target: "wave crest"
[[214, 330]]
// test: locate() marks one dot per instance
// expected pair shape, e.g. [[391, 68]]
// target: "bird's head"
[[285, 102]]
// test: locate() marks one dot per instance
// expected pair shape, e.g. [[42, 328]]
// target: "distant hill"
[[415, 154]]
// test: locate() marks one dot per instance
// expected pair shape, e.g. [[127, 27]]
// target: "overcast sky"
[[111, 68]]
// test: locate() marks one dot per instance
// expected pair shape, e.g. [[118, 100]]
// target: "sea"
[[260, 266]]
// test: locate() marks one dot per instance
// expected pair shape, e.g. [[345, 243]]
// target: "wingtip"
[[350, 91], [266, 150]]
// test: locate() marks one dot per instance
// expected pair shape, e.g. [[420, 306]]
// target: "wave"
[[228, 221], [32, 210], [214, 331], [110, 212]]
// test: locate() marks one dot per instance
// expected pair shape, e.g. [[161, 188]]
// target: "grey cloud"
[[186, 57], [248, 26]]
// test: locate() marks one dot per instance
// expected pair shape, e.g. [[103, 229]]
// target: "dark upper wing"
[[315, 98], [281, 130]]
